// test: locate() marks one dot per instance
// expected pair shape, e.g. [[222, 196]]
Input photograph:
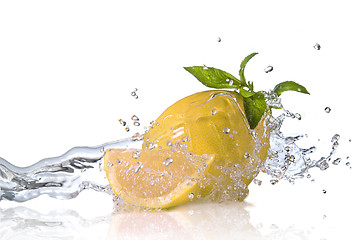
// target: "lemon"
[[207, 137], [155, 179]]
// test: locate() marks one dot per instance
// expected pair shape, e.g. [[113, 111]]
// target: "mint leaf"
[[289, 86], [254, 108], [243, 66], [213, 77], [245, 93]]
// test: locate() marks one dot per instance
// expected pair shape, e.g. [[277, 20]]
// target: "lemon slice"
[[155, 178]]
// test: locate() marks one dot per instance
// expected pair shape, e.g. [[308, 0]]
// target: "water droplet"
[[136, 123], [268, 69], [336, 161], [226, 130], [219, 39], [317, 46], [205, 68], [151, 145], [137, 137], [273, 181], [298, 116], [327, 109], [230, 82], [138, 167], [169, 143], [191, 196], [324, 191], [134, 94], [213, 111], [257, 181], [167, 161], [127, 129], [348, 164], [246, 155], [109, 164], [335, 138], [136, 154], [102, 149], [122, 122], [323, 165], [135, 118]]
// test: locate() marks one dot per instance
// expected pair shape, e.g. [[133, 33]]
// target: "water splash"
[[62, 177], [81, 168], [286, 160]]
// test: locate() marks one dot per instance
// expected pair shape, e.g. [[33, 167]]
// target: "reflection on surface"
[[24, 223], [192, 221]]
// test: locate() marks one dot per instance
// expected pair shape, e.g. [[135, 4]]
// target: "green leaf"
[[245, 93], [213, 77], [289, 86], [254, 108], [243, 66]]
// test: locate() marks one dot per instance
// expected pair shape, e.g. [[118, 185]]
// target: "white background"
[[67, 70]]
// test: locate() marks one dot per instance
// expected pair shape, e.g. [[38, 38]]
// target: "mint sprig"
[[254, 102]]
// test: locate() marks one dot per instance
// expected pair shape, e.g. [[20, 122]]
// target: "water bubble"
[[122, 122], [226, 130], [136, 123], [230, 82], [167, 161], [317, 46], [109, 164], [213, 111], [191, 196], [247, 155], [268, 69], [324, 191], [127, 129], [219, 39], [298, 116], [327, 109], [347, 164], [205, 68]]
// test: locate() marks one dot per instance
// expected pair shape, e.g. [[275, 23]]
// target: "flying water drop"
[[268, 69]]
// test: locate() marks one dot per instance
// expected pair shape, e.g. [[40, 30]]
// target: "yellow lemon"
[[155, 179], [208, 138]]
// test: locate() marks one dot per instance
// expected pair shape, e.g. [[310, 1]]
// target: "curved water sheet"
[[62, 177]]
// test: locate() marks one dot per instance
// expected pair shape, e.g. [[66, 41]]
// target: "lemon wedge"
[[155, 179]]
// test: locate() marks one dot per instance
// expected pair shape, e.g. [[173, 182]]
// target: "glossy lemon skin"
[[213, 122], [208, 138]]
